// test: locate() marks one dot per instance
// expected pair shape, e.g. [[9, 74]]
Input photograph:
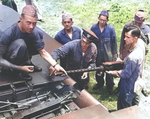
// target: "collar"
[[97, 25], [73, 30]]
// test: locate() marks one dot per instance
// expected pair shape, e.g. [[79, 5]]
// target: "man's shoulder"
[[12, 27], [76, 28], [75, 41], [10, 30], [72, 44], [129, 23], [37, 31], [61, 32], [146, 26], [110, 26], [95, 26]]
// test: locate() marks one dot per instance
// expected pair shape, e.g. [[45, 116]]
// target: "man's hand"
[[27, 68], [115, 73], [57, 68], [51, 70], [85, 75]]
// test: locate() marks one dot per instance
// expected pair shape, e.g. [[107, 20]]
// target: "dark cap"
[[139, 16], [104, 12], [90, 35], [30, 11]]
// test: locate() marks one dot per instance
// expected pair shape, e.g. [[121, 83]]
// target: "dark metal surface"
[[5, 20], [117, 65]]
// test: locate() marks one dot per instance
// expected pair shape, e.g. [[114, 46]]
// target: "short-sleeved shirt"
[[63, 37], [34, 40]]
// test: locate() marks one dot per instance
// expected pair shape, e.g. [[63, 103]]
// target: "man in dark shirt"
[[81, 54], [67, 34], [22, 40], [106, 47], [132, 71]]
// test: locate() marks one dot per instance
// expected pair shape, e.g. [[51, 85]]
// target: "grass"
[[110, 101]]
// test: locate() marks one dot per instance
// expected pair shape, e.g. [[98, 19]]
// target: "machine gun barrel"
[[107, 66]]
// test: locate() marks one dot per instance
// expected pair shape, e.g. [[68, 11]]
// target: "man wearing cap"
[[134, 62], [22, 40], [107, 49], [67, 34], [81, 54], [145, 32]]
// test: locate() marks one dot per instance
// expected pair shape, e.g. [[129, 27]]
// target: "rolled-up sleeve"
[[62, 51]]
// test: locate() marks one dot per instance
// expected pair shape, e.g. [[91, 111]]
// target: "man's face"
[[28, 23], [138, 24], [102, 20], [129, 39], [85, 44], [67, 23]]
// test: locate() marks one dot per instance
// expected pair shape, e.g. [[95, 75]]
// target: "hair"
[[23, 15], [141, 10], [135, 30], [103, 15]]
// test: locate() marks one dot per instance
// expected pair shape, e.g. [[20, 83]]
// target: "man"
[[22, 40], [139, 18], [134, 62], [67, 34], [145, 31], [107, 49], [81, 54]]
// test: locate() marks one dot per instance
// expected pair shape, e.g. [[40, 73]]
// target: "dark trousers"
[[135, 100], [17, 53], [100, 80], [127, 99], [82, 83]]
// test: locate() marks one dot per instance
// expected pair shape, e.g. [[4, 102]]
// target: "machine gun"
[[107, 66]]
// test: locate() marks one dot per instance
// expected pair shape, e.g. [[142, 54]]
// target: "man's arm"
[[5, 63], [115, 73], [114, 46], [47, 57]]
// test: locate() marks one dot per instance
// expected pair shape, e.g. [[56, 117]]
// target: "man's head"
[[67, 21], [132, 33], [139, 17], [28, 19], [87, 38], [103, 18]]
